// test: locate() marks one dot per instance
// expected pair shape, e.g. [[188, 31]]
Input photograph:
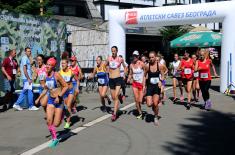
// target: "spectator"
[[9, 70], [26, 75]]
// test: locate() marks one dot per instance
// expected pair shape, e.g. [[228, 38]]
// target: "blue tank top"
[[51, 82]]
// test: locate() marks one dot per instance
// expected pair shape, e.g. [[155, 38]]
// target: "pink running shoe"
[[181, 98], [114, 118]]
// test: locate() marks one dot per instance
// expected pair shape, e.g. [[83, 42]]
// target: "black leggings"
[[205, 86]]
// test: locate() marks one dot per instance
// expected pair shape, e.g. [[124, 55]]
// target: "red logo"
[[131, 17]]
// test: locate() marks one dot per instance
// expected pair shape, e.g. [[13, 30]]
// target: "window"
[[70, 10]]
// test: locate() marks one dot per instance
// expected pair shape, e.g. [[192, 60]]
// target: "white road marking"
[[77, 130]]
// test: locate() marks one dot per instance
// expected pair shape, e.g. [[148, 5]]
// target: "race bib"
[[154, 80], [195, 74], [66, 78], [113, 65], [50, 84], [187, 71], [136, 77], [42, 76], [14, 71], [204, 75], [101, 81]]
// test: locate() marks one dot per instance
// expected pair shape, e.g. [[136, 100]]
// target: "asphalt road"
[[181, 131]]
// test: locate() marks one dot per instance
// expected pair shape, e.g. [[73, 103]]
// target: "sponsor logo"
[[131, 17]]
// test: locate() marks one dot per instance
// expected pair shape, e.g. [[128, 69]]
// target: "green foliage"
[[26, 6], [171, 32]]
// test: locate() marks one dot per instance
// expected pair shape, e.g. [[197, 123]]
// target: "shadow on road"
[[211, 133]]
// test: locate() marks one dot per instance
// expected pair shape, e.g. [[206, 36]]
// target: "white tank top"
[[138, 74], [175, 66]]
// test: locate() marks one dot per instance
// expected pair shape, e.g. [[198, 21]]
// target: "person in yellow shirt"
[[67, 75], [103, 81]]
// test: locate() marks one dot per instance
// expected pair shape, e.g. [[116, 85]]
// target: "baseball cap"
[[136, 53], [73, 58]]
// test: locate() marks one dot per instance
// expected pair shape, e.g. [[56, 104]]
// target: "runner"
[[54, 106], [114, 62], [153, 72], [163, 63], [68, 97], [137, 70], [145, 60], [75, 81], [176, 77], [196, 88], [203, 67], [186, 67], [41, 75], [123, 72], [103, 81]]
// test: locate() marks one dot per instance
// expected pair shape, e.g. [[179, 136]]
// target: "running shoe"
[[139, 116], [208, 105], [156, 121], [17, 107], [114, 118], [103, 109], [53, 143], [188, 106], [181, 98], [67, 125], [174, 100], [33, 108], [120, 99]]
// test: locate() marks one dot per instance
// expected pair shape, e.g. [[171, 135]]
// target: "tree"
[[26, 6], [171, 32]]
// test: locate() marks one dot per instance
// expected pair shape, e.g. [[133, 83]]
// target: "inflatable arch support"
[[180, 15]]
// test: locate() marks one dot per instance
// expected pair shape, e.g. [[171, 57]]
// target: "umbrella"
[[198, 39]]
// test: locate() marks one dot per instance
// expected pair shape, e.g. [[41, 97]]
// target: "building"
[[87, 25]]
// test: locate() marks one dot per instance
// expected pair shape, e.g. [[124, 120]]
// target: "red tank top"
[[75, 71], [205, 72], [188, 69]]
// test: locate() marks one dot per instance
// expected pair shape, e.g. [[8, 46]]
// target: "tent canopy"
[[198, 37]]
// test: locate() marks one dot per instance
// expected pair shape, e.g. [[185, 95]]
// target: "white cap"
[[136, 53]]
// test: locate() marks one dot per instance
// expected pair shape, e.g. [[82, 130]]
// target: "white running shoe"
[[17, 107], [33, 108]]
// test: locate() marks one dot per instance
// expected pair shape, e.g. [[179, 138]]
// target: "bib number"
[[154, 80], [113, 65], [196, 74], [42, 77], [50, 84], [66, 78], [204, 75], [101, 81], [14, 71], [136, 77], [187, 71]]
